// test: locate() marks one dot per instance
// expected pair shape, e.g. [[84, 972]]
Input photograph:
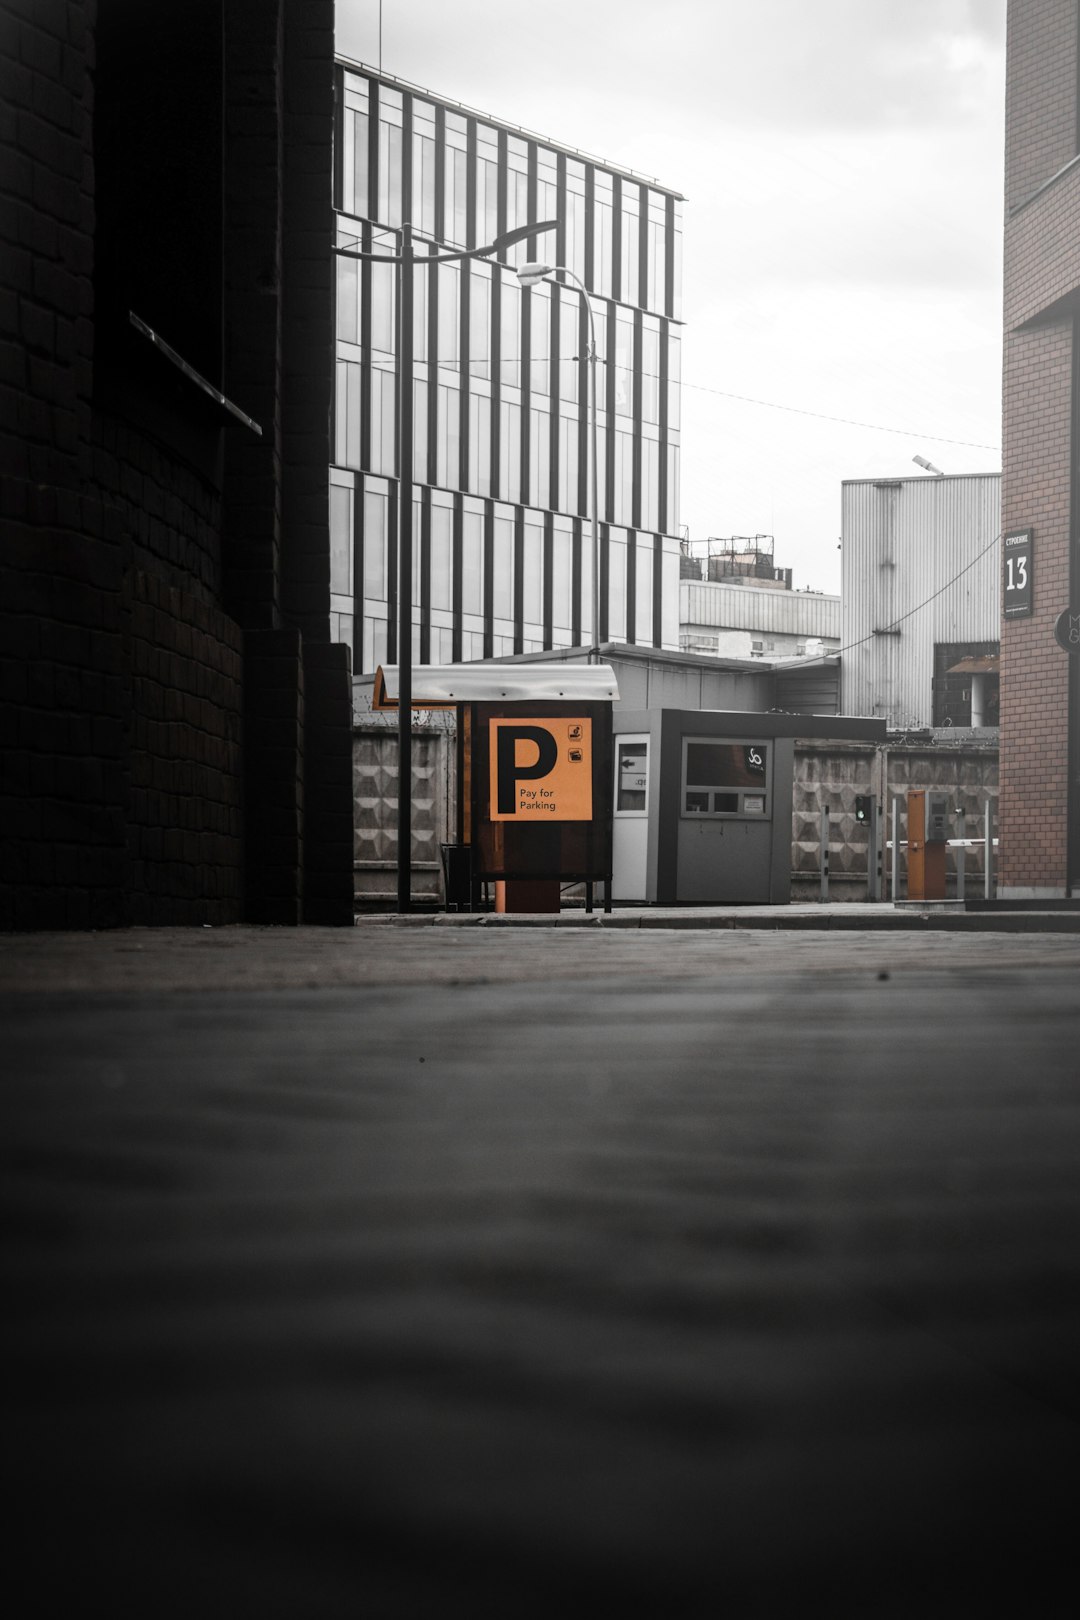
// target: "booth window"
[[725, 778], [631, 775]]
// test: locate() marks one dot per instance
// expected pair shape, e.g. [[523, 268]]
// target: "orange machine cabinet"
[[926, 858]]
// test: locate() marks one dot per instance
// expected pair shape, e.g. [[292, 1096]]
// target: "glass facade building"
[[500, 521]]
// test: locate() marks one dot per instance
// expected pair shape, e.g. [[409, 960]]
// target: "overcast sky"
[[842, 164]]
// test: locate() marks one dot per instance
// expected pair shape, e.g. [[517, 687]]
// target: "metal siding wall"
[[904, 541], [742, 607]]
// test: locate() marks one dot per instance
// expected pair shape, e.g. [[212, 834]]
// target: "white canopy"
[[442, 686]]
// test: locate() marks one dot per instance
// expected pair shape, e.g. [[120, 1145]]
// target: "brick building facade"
[[176, 720], [1040, 691]]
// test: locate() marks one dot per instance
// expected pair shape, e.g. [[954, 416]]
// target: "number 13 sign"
[[1019, 568]]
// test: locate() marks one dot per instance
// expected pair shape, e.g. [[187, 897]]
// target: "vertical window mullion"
[[554, 395], [662, 480], [456, 567], [464, 371], [590, 231], [425, 576], [392, 510], [339, 140], [501, 184], [631, 586], [669, 256], [635, 499], [525, 390], [657, 591], [549, 562], [407, 159], [583, 404], [534, 245], [496, 382], [643, 248], [519, 580], [433, 375], [616, 236], [576, 565], [365, 349], [358, 572], [560, 230], [609, 410], [373, 149], [440, 178], [605, 579], [470, 185], [489, 578]]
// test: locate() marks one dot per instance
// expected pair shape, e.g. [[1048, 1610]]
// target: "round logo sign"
[[1067, 631]]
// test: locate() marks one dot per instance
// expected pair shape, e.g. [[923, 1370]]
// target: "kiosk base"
[[527, 894]]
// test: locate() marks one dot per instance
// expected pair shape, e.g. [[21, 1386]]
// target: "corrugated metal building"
[[920, 599], [739, 620]]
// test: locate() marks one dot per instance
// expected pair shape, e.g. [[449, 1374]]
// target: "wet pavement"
[[409, 1270]]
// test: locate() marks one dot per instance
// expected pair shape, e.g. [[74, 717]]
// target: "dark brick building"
[[1040, 689], [176, 720]]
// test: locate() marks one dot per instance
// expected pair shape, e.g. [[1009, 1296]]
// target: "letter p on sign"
[[541, 770]]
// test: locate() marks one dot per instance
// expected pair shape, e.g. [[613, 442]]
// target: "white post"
[[961, 854], [988, 852], [873, 858]]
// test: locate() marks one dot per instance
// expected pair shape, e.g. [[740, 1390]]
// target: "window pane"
[[631, 775], [533, 575], [341, 538], [643, 592], [347, 328], [472, 563], [726, 765], [540, 340], [360, 167], [442, 558], [479, 322], [375, 546], [561, 579], [510, 333], [383, 308], [503, 569], [449, 314], [617, 589]]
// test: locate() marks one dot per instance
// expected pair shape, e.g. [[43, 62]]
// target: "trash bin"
[[457, 876]]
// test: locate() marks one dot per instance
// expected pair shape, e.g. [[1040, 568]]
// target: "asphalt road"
[[416, 1271]]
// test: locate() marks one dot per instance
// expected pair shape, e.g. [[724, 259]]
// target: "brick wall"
[[63, 711], [1034, 721], [1042, 280], [152, 760], [1040, 94], [184, 830]]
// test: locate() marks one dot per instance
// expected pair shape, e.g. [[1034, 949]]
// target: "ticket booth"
[[703, 802], [534, 777]]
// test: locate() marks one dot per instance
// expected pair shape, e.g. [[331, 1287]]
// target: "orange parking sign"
[[541, 769]]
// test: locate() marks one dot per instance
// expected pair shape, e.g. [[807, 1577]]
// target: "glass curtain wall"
[[500, 524]]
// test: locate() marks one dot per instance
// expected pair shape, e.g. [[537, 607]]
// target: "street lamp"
[[406, 261], [530, 275]]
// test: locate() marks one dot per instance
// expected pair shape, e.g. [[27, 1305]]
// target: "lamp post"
[[406, 261], [530, 275]]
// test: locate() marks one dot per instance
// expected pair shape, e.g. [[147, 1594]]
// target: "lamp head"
[[530, 274]]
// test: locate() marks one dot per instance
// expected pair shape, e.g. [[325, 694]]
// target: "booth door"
[[630, 825]]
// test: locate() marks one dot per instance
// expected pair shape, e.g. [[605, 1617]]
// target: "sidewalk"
[[908, 916]]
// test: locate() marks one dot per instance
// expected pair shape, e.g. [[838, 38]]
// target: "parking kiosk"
[[534, 778]]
